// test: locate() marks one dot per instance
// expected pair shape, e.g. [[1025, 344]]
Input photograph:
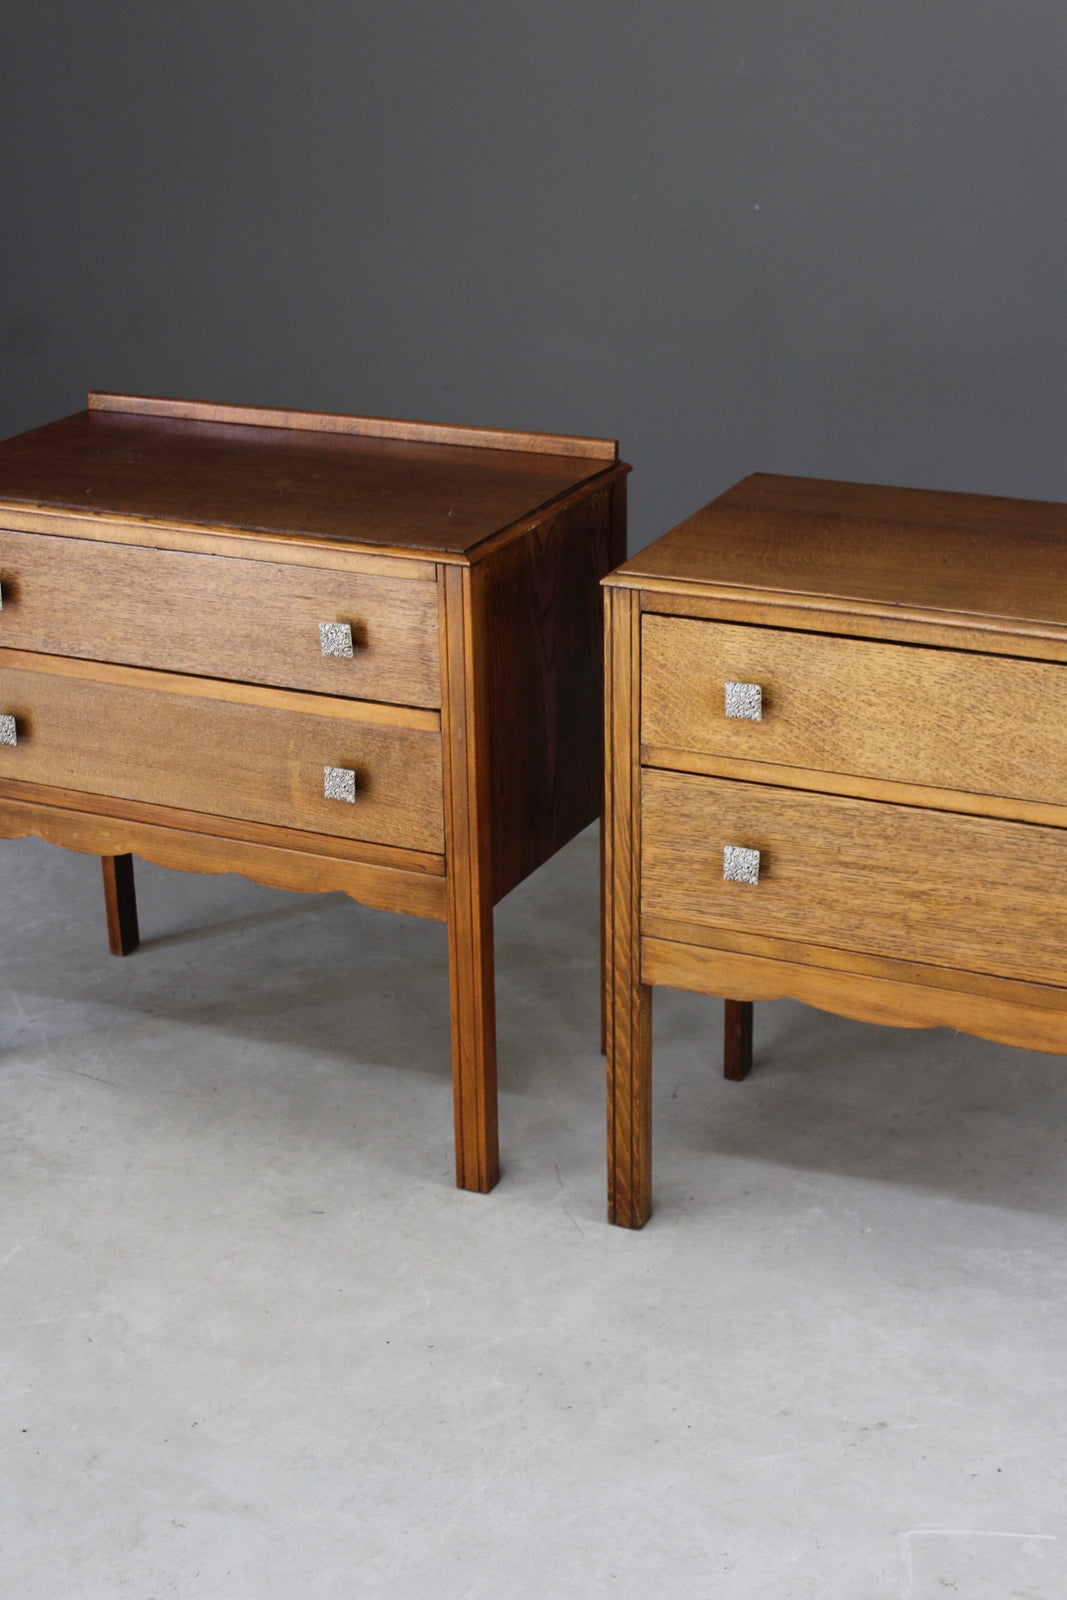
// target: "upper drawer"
[[225, 750], [904, 713], [221, 617]]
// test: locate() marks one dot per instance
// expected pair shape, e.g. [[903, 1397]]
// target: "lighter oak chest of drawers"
[[326, 652], [837, 771]]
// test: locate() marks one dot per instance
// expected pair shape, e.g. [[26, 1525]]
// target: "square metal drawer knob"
[[744, 700], [339, 783], [8, 731], [336, 639], [740, 865]]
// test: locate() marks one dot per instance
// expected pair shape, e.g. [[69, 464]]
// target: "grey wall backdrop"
[[814, 237]]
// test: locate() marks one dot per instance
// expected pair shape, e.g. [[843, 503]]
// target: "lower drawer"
[[897, 881], [226, 750]]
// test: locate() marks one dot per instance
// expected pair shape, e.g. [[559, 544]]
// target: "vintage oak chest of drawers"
[[325, 652], [837, 771]]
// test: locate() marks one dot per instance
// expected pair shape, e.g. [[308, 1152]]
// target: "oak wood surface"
[[255, 621], [946, 718], [556, 444], [120, 903], [618, 554], [921, 549], [879, 1000], [629, 999], [290, 549], [543, 641], [1022, 991], [1037, 641], [904, 787], [468, 878], [243, 694], [896, 793], [295, 840], [895, 881], [389, 888], [385, 492], [163, 573], [262, 762]]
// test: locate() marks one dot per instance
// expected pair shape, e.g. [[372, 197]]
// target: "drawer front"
[[260, 757], [922, 886], [900, 713], [221, 617]]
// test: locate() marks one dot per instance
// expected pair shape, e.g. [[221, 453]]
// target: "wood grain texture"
[[893, 881], [387, 888], [468, 878], [425, 497], [120, 902], [925, 550], [880, 1000], [554, 444], [543, 633], [363, 712], [894, 792], [603, 911], [1020, 991], [1039, 641], [251, 621], [164, 570], [295, 840], [979, 723], [904, 786], [618, 554], [629, 1000], [233, 544], [261, 762]]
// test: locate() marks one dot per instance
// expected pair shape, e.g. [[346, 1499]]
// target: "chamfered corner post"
[[737, 1039], [603, 927], [629, 1001], [616, 559], [120, 900], [468, 872]]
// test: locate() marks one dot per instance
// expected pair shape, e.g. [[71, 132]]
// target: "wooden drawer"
[[251, 621], [922, 886], [949, 719], [228, 750]]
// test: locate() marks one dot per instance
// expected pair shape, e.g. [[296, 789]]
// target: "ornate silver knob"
[[740, 865], [8, 731], [339, 783], [744, 700], [336, 639]]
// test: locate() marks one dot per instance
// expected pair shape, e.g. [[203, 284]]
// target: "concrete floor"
[[255, 1346]]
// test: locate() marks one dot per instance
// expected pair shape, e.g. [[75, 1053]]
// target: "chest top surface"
[[866, 545], [347, 480]]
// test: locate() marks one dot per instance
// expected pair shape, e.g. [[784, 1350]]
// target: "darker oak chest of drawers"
[[837, 771], [327, 652]]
